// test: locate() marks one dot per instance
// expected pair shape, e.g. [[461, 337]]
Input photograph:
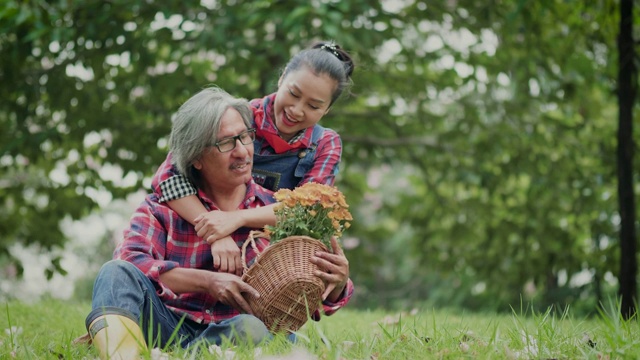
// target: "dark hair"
[[325, 58]]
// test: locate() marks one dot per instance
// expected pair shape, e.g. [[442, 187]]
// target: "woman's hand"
[[226, 256], [216, 224], [333, 269]]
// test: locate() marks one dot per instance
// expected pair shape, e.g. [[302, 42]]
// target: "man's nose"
[[241, 148]]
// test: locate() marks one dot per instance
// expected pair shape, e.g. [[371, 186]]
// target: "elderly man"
[[161, 282]]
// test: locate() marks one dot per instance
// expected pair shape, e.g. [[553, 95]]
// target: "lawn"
[[45, 329]]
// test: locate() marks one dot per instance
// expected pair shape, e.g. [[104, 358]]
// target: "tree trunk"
[[626, 97]]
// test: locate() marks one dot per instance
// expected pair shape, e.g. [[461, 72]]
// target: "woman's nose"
[[297, 109]]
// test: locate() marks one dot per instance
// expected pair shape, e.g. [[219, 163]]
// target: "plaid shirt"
[[159, 240], [169, 184]]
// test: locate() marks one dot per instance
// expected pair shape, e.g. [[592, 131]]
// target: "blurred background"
[[479, 137]]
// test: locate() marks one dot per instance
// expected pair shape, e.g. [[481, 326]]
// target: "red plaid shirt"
[[159, 240]]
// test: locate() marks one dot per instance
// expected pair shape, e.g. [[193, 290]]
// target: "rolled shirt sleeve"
[[327, 160], [169, 184], [329, 308]]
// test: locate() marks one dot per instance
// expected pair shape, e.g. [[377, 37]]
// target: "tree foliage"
[[479, 137]]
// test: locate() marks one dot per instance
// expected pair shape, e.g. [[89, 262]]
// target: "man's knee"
[[118, 273], [118, 283], [116, 268], [251, 329]]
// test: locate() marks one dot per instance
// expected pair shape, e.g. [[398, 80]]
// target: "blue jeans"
[[122, 289]]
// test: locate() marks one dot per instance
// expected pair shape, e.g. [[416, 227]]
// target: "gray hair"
[[196, 126]]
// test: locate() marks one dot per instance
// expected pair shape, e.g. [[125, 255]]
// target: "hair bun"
[[339, 53]]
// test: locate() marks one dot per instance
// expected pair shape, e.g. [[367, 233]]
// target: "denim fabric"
[[278, 171], [122, 289]]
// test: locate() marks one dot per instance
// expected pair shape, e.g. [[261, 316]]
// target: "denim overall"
[[285, 170]]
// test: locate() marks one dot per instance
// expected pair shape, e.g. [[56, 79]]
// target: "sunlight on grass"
[[45, 330]]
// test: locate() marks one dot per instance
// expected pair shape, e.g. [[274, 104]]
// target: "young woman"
[[290, 148]]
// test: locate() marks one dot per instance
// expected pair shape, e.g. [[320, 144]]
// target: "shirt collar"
[[255, 193]]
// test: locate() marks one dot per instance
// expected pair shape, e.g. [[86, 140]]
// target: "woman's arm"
[[189, 208], [216, 224], [175, 189], [169, 184], [179, 194], [326, 160]]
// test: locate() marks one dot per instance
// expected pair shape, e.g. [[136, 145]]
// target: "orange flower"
[[316, 210]]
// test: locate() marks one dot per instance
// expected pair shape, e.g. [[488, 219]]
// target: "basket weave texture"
[[284, 277]]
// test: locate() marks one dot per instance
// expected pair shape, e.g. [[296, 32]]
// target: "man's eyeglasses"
[[229, 143]]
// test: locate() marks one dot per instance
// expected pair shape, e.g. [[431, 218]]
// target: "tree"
[[627, 91], [513, 150], [76, 80], [478, 141], [90, 86]]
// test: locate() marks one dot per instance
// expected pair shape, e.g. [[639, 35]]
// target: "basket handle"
[[251, 241]]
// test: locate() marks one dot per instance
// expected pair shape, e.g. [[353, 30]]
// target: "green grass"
[[44, 330]]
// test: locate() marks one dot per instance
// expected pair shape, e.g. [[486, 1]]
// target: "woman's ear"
[[197, 164], [282, 77]]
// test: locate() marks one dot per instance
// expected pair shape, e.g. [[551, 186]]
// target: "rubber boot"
[[117, 337]]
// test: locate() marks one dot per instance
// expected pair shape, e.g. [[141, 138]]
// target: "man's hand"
[[229, 289], [333, 270], [217, 224], [227, 256]]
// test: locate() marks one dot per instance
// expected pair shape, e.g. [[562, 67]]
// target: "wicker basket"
[[284, 277]]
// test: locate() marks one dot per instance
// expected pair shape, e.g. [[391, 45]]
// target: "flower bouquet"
[[306, 219]]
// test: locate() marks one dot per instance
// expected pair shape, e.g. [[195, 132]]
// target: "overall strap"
[[307, 155]]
